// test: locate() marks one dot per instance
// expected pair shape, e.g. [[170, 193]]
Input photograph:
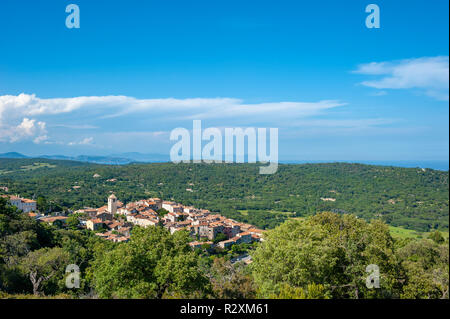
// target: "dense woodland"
[[412, 198]]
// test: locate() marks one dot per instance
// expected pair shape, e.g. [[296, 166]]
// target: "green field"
[[400, 232], [29, 167], [36, 166]]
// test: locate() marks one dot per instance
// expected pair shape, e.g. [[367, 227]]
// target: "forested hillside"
[[409, 197]]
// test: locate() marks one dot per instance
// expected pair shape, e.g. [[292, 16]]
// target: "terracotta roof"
[[255, 230], [53, 219], [245, 233], [25, 200]]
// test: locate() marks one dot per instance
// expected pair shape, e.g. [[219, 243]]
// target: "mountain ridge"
[[115, 159]]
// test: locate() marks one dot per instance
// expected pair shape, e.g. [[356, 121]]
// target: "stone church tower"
[[112, 204]]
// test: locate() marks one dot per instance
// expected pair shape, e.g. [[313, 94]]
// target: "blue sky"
[[136, 70]]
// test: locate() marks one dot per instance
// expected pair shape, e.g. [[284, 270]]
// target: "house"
[[113, 225], [245, 237], [199, 244], [14, 200], [210, 231], [228, 243], [231, 230], [189, 209], [23, 204], [34, 215], [153, 203], [145, 221], [104, 216], [94, 224], [256, 231], [54, 220], [172, 207], [178, 226], [124, 231], [168, 206], [91, 212], [121, 239], [256, 238], [176, 216], [28, 205]]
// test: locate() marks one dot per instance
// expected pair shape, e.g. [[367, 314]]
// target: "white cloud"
[[28, 129], [112, 106], [19, 109], [429, 74]]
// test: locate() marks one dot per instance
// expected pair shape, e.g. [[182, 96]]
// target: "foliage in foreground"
[[154, 264], [324, 256]]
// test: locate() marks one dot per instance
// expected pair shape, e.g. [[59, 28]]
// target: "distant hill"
[[12, 155], [145, 158], [116, 159], [91, 159], [136, 157]]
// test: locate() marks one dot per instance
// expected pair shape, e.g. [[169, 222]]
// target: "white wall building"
[[23, 204]]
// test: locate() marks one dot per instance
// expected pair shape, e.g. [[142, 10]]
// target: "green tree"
[[327, 249], [427, 269], [312, 291], [43, 264], [230, 281], [72, 222], [220, 237], [436, 236], [154, 264], [42, 204], [162, 212]]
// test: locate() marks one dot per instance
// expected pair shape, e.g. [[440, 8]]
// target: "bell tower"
[[112, 204]]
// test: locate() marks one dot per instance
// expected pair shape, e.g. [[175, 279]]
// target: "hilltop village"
[[115, 221], [119, 219]]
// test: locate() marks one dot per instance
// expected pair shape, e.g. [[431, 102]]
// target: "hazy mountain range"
[[117, 159]]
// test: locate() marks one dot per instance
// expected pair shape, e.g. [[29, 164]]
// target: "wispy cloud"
[[85, 141], [15, 109], [428, 74], [76, 126], [273, 111], [114, 106]]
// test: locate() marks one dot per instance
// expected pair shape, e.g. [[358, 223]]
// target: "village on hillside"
[[115, 221]]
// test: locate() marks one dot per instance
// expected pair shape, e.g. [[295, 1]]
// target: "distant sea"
[[438, 165]]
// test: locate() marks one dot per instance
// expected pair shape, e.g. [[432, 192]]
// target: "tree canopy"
[[329, 253], [154, 264]]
